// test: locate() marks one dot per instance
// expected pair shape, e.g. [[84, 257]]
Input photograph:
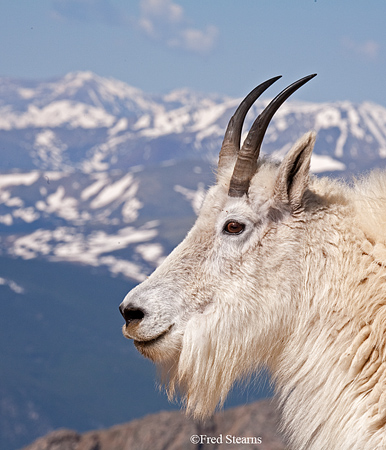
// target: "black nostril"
[[131, 314]]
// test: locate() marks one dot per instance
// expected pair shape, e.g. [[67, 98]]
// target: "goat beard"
[[210, 361]]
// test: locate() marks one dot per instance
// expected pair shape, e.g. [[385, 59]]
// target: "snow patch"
[[195, 197], [12, 285], [26, 93], [324, 163], [14, 201], [6, 219], [94, 188], [151, 252], [68, 244], [126, 268], [143, 122], [49, 150], [57, 114], [121, 125], [57, 203], [113, 192], [28, 215], [17, 179]]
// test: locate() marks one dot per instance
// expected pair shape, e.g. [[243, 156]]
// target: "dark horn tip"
[[313, 75], [297, 84], [306, 79], [275, 78]]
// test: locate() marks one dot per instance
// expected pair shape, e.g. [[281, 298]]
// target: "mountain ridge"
[[91, 123]]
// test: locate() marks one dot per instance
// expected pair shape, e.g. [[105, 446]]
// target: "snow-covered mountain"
[[77, 153], [89, 123], [102, 219]]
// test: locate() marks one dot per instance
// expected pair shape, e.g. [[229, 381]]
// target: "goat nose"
[[131, 314]]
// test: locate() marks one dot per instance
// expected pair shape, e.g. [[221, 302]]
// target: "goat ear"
[[293, 176]]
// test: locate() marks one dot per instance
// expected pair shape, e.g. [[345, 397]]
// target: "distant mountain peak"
[[101, 123]]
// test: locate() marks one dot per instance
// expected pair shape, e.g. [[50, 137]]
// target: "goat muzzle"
[[131, 315]]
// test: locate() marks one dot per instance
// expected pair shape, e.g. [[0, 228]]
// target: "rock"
[[253, 426]]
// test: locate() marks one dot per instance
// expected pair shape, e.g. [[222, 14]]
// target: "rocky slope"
[[250, 427]]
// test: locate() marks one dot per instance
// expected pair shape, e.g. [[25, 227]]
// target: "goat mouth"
[[147, 343]]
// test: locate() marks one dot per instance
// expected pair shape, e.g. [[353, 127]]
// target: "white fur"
[[301, 290]]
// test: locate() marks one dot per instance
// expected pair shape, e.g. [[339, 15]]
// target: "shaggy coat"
[[300, 289]]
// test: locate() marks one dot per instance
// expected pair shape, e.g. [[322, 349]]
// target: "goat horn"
[[246, 163], [231, 143]]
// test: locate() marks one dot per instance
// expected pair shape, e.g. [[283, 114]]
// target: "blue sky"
[[223, 46]]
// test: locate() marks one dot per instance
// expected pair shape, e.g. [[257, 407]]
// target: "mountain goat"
[[280, 269]]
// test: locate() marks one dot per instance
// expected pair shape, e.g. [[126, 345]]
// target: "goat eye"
[[233, 227]]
